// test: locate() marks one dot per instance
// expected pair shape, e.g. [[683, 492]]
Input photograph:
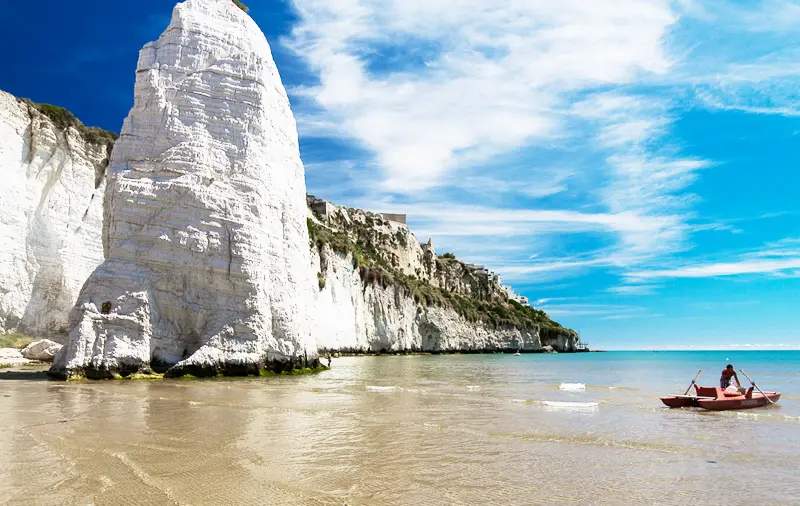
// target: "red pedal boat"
[[715, 399]]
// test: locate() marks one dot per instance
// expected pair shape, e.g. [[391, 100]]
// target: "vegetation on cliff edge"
[[241, 5], [374, 269], [64, 119]]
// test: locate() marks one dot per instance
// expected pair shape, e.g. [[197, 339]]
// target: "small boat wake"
[[761, 415]]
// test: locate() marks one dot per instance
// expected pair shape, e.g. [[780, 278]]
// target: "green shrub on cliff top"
[[375, 270], [64, 119], [60, 116], [241, 5], [338, 241]]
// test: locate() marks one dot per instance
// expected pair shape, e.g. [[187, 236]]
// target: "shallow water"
[[491, 429]]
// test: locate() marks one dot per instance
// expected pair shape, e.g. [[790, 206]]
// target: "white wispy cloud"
[[599, 311], [775, 96], [720, 269], [780, 258], [769, 16], [548, 182], [710, 347], [497, 76], [551, 270], [532, 121], [542, 302], [634, 289], [750, 63]]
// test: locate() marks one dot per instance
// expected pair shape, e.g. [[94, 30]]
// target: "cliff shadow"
[[23, 375]]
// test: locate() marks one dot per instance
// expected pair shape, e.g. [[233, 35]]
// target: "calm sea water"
[[472, 429]]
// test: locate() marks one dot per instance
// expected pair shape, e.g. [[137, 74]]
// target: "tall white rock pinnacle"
[[207, 257]]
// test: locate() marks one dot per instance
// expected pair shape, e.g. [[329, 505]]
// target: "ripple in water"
[[569, 405], [364, 437], [373, 388]]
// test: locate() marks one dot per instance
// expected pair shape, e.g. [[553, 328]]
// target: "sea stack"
[[206, 265]]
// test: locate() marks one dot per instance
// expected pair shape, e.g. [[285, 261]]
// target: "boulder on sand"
[[42, 351]]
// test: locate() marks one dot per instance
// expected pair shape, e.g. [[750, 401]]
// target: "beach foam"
[[572, 387], [372, 388], [569, 405]]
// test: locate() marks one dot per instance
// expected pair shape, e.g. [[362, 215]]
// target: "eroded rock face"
[[399, 248], [51, 218], [361, 306], [351, 316], [205, 237]]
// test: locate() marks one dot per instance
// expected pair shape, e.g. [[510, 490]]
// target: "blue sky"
[[630, 165]]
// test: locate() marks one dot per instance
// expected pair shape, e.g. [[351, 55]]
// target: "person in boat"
[[728, 375]]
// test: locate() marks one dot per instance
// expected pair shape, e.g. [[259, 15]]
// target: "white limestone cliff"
[[51, 214], [378, 290], [354, 317], [205, 236], [399, 249]]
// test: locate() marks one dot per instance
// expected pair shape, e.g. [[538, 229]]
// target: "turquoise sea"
[[416, 430], [661, 372]]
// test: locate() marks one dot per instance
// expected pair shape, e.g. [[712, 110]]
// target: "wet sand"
[[385, 430]]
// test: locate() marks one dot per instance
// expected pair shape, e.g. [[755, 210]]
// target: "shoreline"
[[504, 351], [158, 373]]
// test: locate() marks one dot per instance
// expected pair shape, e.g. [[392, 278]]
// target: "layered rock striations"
[[207, 258], [52, 175], [380, 290]]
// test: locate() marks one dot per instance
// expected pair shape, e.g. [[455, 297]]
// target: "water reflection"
[[401, 430]]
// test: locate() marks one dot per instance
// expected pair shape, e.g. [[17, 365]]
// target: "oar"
[[692, 383], [756, 386]]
